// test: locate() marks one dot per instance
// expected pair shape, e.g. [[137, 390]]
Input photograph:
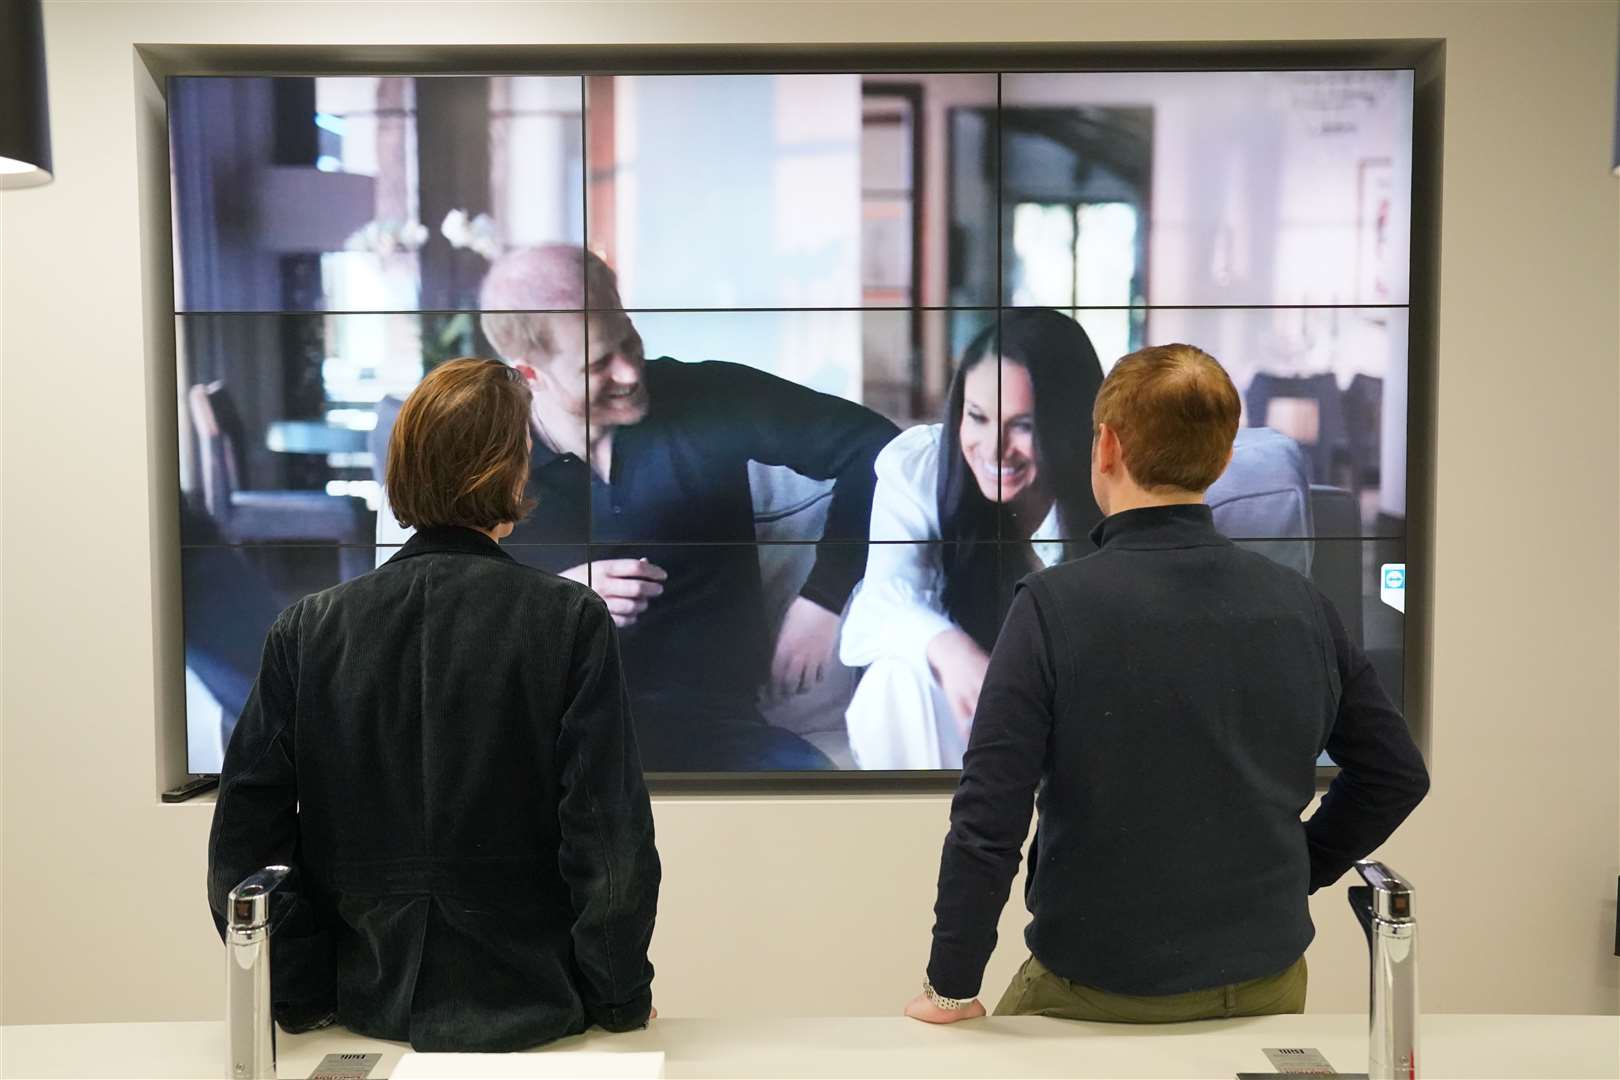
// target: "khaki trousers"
[[1037, 991]]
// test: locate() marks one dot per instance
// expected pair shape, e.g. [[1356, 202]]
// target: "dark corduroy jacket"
[[442, 751]]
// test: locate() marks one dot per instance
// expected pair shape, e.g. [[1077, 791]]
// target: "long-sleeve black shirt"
[[678, 495], [1168, 696], [442, 751]]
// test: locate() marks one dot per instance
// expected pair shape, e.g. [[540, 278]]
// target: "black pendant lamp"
[[25, 123]]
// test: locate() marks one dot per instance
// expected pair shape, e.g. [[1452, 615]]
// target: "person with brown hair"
[[442, 751], [1168, 696]]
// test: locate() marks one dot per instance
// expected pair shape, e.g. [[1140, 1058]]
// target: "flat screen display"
[[818, 301]]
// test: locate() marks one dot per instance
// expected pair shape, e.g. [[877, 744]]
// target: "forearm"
[[250, 832], [255, 825], [1357, 814], [837, 569], [255, 821], [975, 876], [613, 932], [990, 814], [850, 452], [607, 853], [1381, 776]]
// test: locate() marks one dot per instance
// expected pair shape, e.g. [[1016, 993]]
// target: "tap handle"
[[1393, 897], [1361, 902], [249, 902]]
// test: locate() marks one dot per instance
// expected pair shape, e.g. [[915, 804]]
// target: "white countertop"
[[1466, 1047]]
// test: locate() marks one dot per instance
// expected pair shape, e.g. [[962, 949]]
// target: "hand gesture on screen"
[[803, 649], [959, 664], [628, 585]]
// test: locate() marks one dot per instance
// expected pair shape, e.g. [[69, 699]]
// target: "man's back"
[[472, 834], [1196, 685], [1169, 694]]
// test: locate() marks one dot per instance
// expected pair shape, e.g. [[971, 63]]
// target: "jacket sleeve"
[[990, 814], [606, 854], [779, 422], [256, 825], [1381, 773]]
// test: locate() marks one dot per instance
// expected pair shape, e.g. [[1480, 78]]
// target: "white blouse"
[[899, 606]]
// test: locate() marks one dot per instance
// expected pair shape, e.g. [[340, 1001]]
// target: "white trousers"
[[899, 719]]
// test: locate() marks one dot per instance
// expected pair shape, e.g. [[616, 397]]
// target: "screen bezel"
[[1424, 57]]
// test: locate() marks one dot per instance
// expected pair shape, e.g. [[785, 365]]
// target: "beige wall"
[[822, 906]]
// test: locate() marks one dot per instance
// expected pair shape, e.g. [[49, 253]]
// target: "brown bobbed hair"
[[459, 452], [1175, 411]]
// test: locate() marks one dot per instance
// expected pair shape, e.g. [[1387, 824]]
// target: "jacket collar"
[[449, 539], [1148, 527]]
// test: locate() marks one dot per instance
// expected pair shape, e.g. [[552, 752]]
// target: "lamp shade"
[[25, 124]]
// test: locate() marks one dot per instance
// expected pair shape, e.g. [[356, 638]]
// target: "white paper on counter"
[[544, 1065]]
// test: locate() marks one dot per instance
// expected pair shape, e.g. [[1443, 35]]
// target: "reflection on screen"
[[798, 275]]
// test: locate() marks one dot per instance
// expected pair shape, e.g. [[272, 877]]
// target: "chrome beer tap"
[[249, 1023], [1385, 908]]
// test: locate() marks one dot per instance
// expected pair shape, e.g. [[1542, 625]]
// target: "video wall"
[[805, 311]]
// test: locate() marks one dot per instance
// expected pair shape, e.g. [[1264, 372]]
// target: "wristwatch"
[[940, 1001]]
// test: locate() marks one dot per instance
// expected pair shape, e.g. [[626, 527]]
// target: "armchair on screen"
[[268, 516], [1336, 567], [788, 510], [1266, 499]]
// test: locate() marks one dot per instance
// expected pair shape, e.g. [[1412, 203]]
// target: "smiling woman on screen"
[[1010, 462]]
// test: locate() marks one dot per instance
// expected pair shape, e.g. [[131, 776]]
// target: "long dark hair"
[[1065, 373]]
